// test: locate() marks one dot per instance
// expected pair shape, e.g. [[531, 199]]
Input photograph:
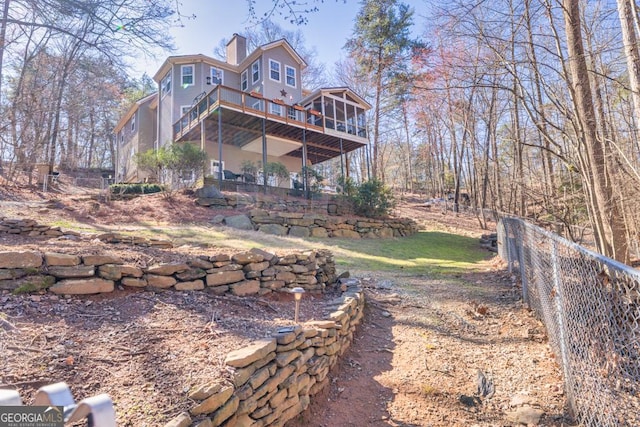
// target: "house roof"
[[287, 46], [195, 58], [189, 59], [343, 89], [132, 110]]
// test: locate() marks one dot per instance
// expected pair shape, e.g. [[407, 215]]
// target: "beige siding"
[[272, 88]]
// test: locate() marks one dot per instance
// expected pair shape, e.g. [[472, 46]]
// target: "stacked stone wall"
[[273, 379], [255, 272], [300, 224], [31, 228]]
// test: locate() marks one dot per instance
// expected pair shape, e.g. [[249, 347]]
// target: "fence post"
[[523, 266]]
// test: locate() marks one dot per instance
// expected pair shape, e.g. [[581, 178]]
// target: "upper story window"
[[274, 70], [187, 75], [121, 138], [165, 84], [244, 80], [255, 72], [291, 76], [217, 76], [133, 123]]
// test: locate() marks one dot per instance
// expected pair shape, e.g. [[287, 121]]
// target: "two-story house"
[[248, 109]]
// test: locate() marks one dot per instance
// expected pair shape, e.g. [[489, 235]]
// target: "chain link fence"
[[590, 306]]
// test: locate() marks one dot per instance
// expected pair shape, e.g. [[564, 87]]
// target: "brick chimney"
[[236, 49]]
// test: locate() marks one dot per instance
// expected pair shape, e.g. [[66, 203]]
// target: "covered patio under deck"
[[253, 124]]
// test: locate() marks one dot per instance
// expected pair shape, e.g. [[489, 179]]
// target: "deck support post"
[[203, 138], [220, 147], [264, 155], [342, 162], [366, 152], [305, 175]]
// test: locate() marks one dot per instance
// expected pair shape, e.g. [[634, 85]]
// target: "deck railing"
[[255, 104]]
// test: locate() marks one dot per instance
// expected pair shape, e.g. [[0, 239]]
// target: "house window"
[[244, 80], [215, 167], [291, 76], [276, 109], [165, 84], [121, 138], [274, 70], [255, 72], [217, 76], [184, 109], [292, 113], [187, 75], [133, 123]]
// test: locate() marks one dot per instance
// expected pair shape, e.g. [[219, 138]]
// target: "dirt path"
[[416, 359]]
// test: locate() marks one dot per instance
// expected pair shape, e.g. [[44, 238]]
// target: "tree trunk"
[[607, 223], [626, 12], [3, 35]]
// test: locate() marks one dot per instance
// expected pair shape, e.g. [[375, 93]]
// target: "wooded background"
[[529, 107]]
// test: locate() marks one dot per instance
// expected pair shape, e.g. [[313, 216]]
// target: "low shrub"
[[370, 198], [139, 188]]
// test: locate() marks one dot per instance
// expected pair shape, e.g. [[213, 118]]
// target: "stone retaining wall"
[[31, 228], [273, 379], [300, 224], [255, 272]]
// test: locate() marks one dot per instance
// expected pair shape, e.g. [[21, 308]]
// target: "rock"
[[224, 277], [247, 287], [349, 234], [207, 423], [204, 391], [256, 266], [182, 420], [213, 402], [134, 282], [275, 229], [226, 412], [252, 353], [76, 271], [298, 231], [162, 282], [385, 233], [110, 271], [12, 274], [209, 192], [191, 274], [167, 269], [267, 256], [9, 259], [26, 284], [319, 232], [83, 286], [196, 285], [131, 271], [526, 415], [244, 258], [218, 219], [241, 222], [521, 399], [200, 263], [61, 259], [100, 260]]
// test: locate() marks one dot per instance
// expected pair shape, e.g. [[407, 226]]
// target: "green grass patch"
[[426, 252], [423, 253]]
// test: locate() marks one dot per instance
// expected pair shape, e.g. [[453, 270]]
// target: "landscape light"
[[297, 294]]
